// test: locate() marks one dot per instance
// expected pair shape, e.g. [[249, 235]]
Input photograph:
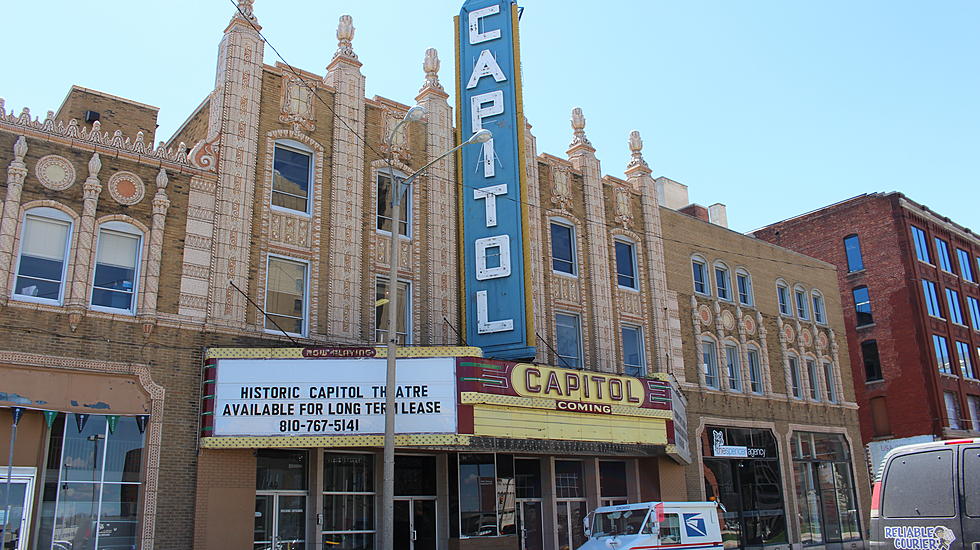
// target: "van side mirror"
[[587, 524]]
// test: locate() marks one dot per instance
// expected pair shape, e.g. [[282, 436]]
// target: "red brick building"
[[908, 280]]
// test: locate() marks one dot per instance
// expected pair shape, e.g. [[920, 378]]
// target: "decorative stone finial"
[[578, 126], [245, 10], [20, 149], [345, 37], [162, 179], [636, 150], [3, 108], [94, 165], [431, 68]]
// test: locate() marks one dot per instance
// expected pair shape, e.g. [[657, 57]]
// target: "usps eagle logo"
[[694, 524]]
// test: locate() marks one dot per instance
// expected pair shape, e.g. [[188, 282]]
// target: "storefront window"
[[612, 482], [487, 496], [824, 485], [571, 506], [280, 499], [92, 484], [741, 469], [348, 501]]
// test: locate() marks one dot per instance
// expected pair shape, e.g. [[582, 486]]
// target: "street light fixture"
[[398, 186]]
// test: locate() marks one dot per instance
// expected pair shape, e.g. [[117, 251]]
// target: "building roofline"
[[814, 211], [105, 95]]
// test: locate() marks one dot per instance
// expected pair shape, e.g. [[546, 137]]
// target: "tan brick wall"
[[115, 113], [225, 498]]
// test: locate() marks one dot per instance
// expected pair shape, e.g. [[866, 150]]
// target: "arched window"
[[795, 380], [292, 176], [733, 366], [723, 281], [802, 305], [709, 362], [699, 268], [117, 261], [782, 297], [743, 285], [43, 258], [819, 315], [755, 370]]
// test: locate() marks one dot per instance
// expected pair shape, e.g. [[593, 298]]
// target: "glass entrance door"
[[280, 521], [415, 524], [18, 523], [529, 524]]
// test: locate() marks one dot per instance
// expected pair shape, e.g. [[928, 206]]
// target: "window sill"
[[388, 234], [875, 381], [282, 333], [628, 288], [921, 261], [862, 327], [861, 271], [703, 294], [563, 274], [936, 317], [34, 300], [290, 211], [113, 311]]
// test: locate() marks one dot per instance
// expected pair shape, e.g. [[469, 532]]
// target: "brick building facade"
[[908, 284], [261, 228]]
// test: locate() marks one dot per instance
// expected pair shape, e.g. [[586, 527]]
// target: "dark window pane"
[[862, 306], [612, 478], [625, 268], [872, 363], [971, 480], [527, 473], [415, 475], [348, 473], [562, 253], [569, 482], [477, 495], [281, 470], [124, 451]]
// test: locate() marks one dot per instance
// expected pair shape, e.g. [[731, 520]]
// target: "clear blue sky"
[[771, 107]]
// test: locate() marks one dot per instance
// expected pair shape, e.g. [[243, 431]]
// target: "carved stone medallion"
[[55, 173], [806, 337], [126, 188], [748, 324], [822, 340], [789, 333], [704, 315], [728, 320]]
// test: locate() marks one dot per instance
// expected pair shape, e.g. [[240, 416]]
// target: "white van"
[[647, 525]]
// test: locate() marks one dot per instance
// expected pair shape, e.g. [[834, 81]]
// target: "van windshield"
[[620, 522]]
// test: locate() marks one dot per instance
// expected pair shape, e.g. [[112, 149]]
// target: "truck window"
[[670, 530], [971, 480], [919, 485]]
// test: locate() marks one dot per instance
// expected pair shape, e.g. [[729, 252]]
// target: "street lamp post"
[[398, 186]]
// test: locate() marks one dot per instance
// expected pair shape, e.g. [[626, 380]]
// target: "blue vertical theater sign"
[[495, 256]]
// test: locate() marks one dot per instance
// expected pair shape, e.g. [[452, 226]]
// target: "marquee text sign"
[[321, 397], [492, 192]]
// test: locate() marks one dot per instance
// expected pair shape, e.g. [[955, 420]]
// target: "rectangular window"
[[700, 277], [963, 257], [921, 245], [825, 489], [828, 377], [932, 298], [796, 388], [117, 256], [974, 306], [852, 247], [952, 411], [477, 495], [41, 270], [285, 296], [562, 248], [801, 306], [813, 379], [872, 363], [384, 206], [403, 317], [862, 306], [744, 284], [633, 356], [818, 309], [782, 295], [723, 283], [568, 340], [734, 367], [709, 363], [942, 354], [291, 171], [626, 265], [955, 312], [348, 499], [966, 360], [755, 371], [942, 251], [973, 402]]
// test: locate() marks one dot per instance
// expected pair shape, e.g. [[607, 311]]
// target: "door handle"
[[414, 533]]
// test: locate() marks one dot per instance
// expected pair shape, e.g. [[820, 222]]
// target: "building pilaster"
[[84, 247], [16, 173], [539, 257], [151, 288], [582, 156]]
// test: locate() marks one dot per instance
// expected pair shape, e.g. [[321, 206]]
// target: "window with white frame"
[[813, 378], [634, 363], [292, 176], [43, 256], [116, 267], [700, 273], [385, 213], [942, 251], [802, 308], [563, 248], [403, 316], [734, 367], [709, 362], [743, 284], [963, 257], [795, 381], [723, 283], [568, 340], [755, 370], [818, 309], [828, 378], [932, 298], [285, 295], [782, 296], [921, 245], [955, 311], [626, 265], [941, 347], [966, 360]]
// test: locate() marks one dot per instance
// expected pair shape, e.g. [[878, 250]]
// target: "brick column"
[[16, 172]]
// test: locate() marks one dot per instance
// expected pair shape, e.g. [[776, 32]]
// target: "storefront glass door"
[[21, 487], [529, 524], [279, 521], [415, 524]]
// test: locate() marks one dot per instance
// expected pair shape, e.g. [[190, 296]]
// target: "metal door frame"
[[411, 514], [26, 476], [520, 509], [275, 543]]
